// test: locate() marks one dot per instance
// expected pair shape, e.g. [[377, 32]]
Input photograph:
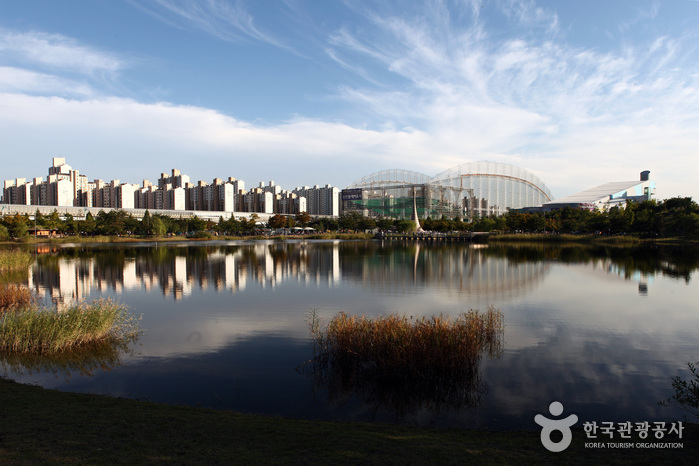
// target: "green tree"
[[4, 233], [405, 226], [384, 223], [146, 224], [350, 220], [53, 221], [196, 224], [69, 226], [19, 228], [89, 225], [158, 227]]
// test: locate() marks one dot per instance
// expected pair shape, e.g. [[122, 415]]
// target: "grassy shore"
[[42, 426]]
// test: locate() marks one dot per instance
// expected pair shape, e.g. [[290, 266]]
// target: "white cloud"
[[228, 21], [55, 51], [14, 80], [438, 89]]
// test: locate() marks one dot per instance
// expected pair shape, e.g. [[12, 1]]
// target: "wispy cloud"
[[55, 51], [226, 20], [43, 63]]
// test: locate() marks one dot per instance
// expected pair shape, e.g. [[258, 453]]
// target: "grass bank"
[[42, 426], [625, 240]]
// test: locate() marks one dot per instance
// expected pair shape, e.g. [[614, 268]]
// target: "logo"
[[550, 425]]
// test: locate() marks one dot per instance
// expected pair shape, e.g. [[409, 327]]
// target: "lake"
[[600, 329]]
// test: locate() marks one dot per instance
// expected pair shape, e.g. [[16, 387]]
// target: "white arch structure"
[[467, 190]]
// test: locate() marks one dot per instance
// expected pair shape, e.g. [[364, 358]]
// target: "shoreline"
[[48, 426]]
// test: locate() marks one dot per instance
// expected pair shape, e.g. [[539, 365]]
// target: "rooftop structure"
[[607, 195]]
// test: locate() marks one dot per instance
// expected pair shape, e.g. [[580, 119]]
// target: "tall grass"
[[407, 345], [31, 330], [13, 296], [405, 362], [14, 259]]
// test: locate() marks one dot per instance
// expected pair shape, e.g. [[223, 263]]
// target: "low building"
[[608, 195]]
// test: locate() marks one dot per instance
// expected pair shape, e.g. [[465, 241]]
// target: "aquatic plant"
[[33, 330], [13, 296], [403, 362], [14, 259]]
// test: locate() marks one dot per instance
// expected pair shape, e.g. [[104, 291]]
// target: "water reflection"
[[403, 365], [85, 360], [70, 274], [600, 329]]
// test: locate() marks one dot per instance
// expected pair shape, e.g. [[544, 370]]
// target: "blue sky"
[[316, 92]]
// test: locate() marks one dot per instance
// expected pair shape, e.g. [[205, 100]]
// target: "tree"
[[405, 226], [53, 221], [89, 225], [350, 220], [384, 223], [147, 224], [304, 218], [19, 228], [158, 227], [277, 221], [196, 224], [69, 226]]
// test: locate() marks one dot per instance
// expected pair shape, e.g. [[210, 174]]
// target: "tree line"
[[675, 217]]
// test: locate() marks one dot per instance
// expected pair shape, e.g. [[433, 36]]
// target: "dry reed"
[[13, 296], [407, 345], [405, 363]]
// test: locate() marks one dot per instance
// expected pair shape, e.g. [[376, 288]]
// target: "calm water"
[[600, 330]]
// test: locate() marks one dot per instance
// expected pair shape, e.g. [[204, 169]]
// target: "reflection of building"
[[453, 269], [469, 190], [178, 271]]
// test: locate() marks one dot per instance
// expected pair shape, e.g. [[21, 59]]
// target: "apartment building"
[[65, 186]]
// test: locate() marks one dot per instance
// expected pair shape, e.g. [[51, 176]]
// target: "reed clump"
[[14, 259], [33, 330], [402, 363], [14, 296], [410, 346]]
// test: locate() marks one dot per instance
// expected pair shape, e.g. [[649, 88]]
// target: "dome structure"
[[492, 188], [474, 189], [391, 177]]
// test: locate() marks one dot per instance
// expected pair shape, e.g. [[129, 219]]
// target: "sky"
[[326, 92]]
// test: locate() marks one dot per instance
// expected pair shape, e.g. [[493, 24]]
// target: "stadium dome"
[[391, 177], [473, 189]]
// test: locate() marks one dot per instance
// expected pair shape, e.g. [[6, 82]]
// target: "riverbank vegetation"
[[402, 363], [13, 260], [32, 330], [407, 345], [672, 218], [28, 328]]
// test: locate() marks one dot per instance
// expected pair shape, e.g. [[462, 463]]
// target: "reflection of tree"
[[672, 261], [85, 360], [403, 364]]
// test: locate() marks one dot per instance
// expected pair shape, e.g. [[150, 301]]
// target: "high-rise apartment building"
[[67, 187]]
